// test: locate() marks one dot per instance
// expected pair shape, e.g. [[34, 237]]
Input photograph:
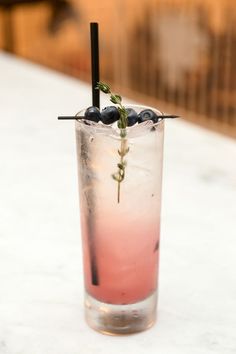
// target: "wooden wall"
[[177, 54]]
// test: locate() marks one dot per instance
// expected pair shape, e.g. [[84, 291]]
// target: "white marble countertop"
[[41, 285]]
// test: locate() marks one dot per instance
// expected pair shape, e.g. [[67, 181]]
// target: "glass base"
[[120, 319]]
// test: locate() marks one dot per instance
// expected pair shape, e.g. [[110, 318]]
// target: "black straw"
[[96, 103], [95, 63]]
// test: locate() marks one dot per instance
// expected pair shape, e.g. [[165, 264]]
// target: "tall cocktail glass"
[[120, 223]]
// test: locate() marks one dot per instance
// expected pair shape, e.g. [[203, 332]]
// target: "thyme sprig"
[[122, 124]]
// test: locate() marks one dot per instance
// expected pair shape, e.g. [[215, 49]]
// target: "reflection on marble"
[[41, 298]]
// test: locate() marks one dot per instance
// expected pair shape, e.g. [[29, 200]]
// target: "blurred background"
[[178, 55]]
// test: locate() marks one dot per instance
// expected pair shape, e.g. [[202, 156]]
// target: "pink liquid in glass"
[[126, 260], [120, 240]]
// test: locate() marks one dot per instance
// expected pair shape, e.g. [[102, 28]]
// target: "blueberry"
[[110, 115], [132, 116], [147, 114], [92, 113]]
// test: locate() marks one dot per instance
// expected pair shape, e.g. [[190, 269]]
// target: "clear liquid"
[[120, 240]]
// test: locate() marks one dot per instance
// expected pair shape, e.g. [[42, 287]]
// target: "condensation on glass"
[[120, 238]]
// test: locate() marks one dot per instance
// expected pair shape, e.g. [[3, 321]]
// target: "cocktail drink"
[[119, 151], [120, 200]]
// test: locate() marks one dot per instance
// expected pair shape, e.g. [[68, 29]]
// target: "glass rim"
[[130, 106], [114, 132]]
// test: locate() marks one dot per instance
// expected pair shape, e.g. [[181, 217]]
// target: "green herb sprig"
[[122, 124]]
